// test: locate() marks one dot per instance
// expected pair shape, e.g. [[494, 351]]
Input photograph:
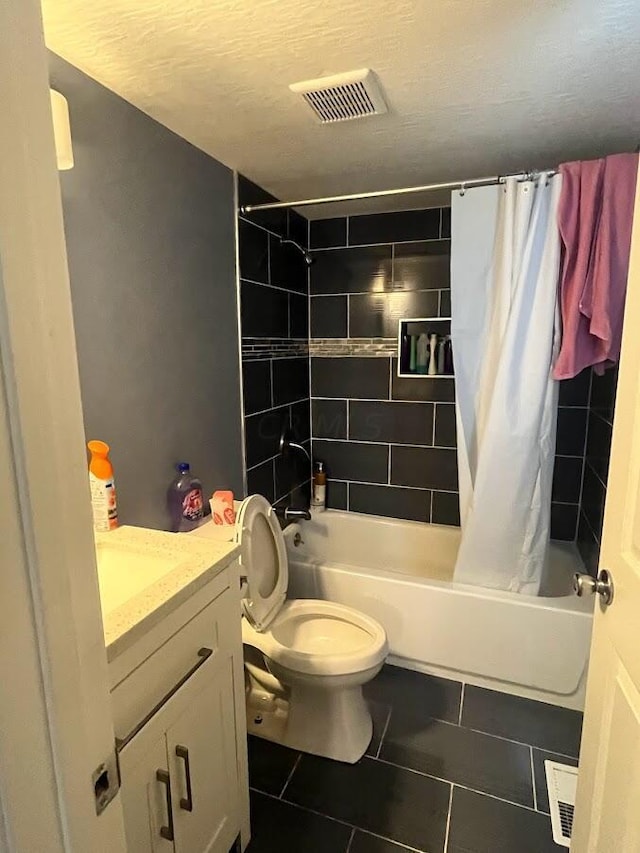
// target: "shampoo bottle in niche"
[[433, 365], [405, 354], [413, 352], [422, 354], [319, 498], [103, 489], [440, 355], [185, 500]]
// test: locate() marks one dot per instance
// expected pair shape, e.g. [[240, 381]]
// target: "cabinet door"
[[202, 759], [144, 796]]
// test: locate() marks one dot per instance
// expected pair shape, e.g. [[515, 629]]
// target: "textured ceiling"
[[474, 87]]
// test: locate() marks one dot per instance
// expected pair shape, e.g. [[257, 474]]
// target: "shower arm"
[[287, 241]]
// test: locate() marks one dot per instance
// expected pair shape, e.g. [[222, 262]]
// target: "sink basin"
[[125, 570], [144, 574], [132, 560]]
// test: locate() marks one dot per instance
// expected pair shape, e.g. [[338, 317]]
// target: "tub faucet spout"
[[291, 514]]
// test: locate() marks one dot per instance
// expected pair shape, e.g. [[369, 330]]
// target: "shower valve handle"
[[588, 585]]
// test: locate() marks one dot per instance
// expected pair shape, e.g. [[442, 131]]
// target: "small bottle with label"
[[422, 354], [103, 487], [185, 500], [319, 498], [433, 364], [440, 351]]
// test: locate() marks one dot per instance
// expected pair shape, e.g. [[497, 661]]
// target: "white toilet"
[[305, 660]]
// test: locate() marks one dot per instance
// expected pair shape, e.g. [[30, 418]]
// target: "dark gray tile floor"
[[450, 769]]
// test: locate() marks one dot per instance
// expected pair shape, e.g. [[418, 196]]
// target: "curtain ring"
[[462, 189]]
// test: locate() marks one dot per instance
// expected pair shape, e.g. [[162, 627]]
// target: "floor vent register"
[[561, 784]]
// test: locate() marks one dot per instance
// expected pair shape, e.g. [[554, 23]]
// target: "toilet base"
[[334, 724]]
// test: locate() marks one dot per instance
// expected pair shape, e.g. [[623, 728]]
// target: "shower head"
[[308, 259]]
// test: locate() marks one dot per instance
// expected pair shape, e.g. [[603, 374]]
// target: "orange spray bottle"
[[103, 489]]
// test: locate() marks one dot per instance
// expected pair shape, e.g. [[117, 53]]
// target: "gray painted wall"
[[150, 221]]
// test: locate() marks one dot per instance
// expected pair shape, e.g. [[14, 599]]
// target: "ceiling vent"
[[342, 97]]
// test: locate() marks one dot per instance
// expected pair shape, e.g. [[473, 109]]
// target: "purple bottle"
[[185, 500]]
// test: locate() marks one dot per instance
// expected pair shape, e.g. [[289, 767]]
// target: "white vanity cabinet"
[[179, 775], [178, 705]]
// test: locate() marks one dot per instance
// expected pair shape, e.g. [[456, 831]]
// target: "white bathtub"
[[400, 572]]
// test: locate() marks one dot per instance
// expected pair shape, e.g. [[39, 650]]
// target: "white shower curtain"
[[505, 257]]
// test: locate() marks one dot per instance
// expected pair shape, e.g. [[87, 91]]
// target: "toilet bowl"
[[305, 660]]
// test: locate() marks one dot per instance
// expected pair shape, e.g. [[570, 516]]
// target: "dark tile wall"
[[274, 303], [596, 468], [573, 413], [390, 442]]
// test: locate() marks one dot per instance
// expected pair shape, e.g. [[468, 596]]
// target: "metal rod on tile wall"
[[449, 185]]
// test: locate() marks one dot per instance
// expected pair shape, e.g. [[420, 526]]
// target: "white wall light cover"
[[61, 130]]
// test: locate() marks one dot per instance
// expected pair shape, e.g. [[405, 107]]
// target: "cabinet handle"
[[166, 831], [203, 655], [186, 803]]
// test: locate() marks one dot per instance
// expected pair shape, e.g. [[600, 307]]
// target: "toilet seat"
[[306, 635], [320, 638], [263, 561]]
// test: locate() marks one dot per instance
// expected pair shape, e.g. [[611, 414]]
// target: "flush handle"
[[587, 585]]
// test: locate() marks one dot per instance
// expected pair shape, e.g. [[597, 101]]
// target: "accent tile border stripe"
[[254, 349], [333, 347]]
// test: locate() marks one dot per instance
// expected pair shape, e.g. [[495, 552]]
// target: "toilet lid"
[[263, 559]]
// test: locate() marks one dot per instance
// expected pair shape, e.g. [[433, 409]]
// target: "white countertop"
[[144, 574]]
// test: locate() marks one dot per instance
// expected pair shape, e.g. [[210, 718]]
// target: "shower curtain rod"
[[449, 185]]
